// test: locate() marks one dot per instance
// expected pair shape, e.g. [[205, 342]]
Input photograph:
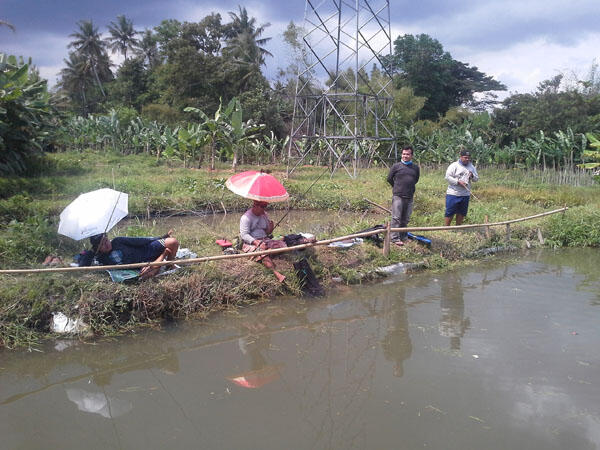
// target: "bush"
[[162, 113], [16, 208], [578, 227], [30, 241], [24, 115]]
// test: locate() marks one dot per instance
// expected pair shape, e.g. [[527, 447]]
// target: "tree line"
[[178, 81]]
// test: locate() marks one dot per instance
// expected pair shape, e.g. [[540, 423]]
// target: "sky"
[[519, 42]]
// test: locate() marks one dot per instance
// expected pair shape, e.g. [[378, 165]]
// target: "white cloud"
[[46, 50], [519, 43], [523, 66]]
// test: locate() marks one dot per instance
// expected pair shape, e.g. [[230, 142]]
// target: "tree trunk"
[[212, 155], [98, 79], [84, 101]]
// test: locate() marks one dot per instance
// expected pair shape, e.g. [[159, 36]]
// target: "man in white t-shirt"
[[459, 175], [255, 228]]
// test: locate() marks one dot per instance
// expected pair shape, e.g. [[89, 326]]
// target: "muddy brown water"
[[500, 356]]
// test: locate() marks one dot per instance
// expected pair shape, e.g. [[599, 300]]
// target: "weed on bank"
[[29, 209]]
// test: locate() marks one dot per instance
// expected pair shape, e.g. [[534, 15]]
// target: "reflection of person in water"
[[254, 346], [453, 323], [261, 372], [396, 344]]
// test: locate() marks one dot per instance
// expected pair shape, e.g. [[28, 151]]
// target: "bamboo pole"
[[185, 262], [379, 206], [479, 225]]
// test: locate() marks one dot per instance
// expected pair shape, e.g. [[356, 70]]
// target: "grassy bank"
[[29, 210]]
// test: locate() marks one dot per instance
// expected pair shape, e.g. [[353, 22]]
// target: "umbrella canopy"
[[93, 213], [257, 186], [256, 378], [98, 403]]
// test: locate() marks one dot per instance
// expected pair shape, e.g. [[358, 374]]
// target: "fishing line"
[[301, 196]]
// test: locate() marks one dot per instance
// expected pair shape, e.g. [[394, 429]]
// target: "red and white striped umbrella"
[[257, 186]]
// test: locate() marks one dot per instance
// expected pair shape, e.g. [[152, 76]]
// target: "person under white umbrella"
[[130, 250], [93, 214]]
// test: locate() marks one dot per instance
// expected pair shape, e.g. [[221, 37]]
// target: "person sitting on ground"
[[131, 250], [255, 229]]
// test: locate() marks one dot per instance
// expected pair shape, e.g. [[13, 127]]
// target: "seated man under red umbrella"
[[131, 250], [255, 229]]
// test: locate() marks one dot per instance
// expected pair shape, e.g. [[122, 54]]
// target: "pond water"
[[500, 356]]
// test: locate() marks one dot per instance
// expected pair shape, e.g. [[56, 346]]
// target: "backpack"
[[308, 281]]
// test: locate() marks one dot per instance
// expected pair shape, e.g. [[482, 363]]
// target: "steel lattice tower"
[[338, 107]]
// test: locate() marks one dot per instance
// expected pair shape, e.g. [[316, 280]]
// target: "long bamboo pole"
[[185, 262]]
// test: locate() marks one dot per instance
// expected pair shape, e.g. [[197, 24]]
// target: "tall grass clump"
[[579, 227], [27, 242]]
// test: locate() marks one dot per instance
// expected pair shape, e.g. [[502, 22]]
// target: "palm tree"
[[122, 36], [88, 43], [77, 77], [242, 31], [147, 48], [246, 54]]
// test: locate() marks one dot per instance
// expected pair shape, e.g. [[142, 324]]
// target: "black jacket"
[[402, 178]]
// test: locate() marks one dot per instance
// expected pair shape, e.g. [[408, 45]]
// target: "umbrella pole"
[[108, 223], [112, 213]]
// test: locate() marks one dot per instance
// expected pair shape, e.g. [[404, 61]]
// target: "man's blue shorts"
[[457, 205]]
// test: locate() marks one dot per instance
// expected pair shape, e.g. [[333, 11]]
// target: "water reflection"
[[256, 347], [396, 344], [364, 368], [98, 403], [453, 323]]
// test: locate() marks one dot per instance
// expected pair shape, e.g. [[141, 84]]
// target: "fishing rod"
[[301, 196], [471, 193], [289, 209]]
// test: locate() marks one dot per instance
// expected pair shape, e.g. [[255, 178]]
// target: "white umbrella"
[[93, 213], [98, 403]]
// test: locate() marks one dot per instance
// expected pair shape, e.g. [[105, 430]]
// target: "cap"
[[95, 240]]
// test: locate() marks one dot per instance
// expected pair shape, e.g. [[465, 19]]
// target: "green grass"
[[29, 209]]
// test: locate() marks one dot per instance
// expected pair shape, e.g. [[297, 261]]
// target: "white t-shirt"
[[253, 227], [457, 172]]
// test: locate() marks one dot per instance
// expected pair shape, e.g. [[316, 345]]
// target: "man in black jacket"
[[403, 177]]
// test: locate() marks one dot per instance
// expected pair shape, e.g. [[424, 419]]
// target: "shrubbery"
[[24, 115], [579, 227]]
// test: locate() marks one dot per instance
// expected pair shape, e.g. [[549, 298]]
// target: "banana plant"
[[24, 114], [168, 143], [593, 155], [273, 144], [217, 127], [240, 132], [190, 142]]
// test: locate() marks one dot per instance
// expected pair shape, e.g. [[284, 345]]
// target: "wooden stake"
[[487, 228], [386, 240], [508, 232], [540, 237]]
